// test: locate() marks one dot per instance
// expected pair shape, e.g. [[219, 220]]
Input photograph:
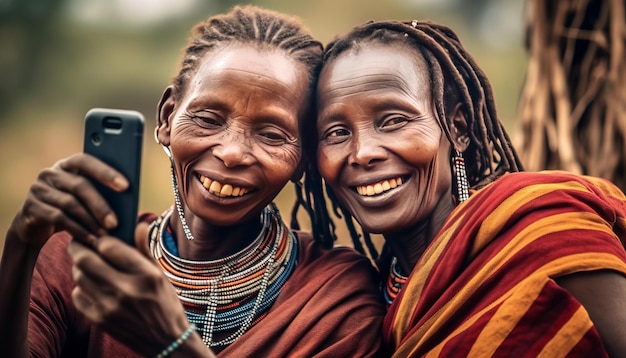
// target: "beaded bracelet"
[[177, 343]]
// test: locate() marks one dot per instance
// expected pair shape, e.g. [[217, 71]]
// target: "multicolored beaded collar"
[[227, 296], [395, 281]]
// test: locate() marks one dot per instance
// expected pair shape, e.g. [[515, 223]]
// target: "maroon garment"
[[329, 307]]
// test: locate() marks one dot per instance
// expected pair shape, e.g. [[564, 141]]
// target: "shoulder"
[[550, 213], [318, 257], [536, 190], [340, 267], [554, 179]]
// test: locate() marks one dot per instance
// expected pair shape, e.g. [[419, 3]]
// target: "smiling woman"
[[480, 259], [246, 113], [395, 121], [218, 272]]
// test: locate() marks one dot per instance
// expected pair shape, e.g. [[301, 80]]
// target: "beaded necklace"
[[395, 282], [228, 295]]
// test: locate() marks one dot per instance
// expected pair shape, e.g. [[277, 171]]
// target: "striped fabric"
[[485, 286]]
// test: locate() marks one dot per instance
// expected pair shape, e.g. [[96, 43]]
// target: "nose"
[[366, 151], [234, 149]]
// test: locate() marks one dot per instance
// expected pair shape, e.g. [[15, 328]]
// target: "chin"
[[380, 225]]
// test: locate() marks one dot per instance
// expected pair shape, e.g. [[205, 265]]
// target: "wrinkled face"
[[234, 136], [381, 148]]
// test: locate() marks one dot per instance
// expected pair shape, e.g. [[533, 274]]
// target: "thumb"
[[141, 238]]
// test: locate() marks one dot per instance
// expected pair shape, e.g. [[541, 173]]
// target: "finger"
[[37, 221], [85, 305], [122, 256], [101, 297], [94, 267], [96, 169], [66, 208], [142, 240], [82, 198]]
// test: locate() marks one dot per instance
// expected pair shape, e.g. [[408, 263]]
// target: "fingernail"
[[120, 183], [91, 240], [110, 221]]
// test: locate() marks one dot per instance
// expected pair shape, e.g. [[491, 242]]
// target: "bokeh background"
[[59, 58]]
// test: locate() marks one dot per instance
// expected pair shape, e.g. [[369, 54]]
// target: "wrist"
[[193, 347], [178, 343]]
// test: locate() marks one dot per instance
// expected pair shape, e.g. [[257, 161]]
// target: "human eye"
[[275, 136], [393, 122], [207, 119], [336, 134]]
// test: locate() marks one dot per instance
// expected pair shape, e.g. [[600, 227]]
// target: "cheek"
[[441, 175], [420, 146], [186, 139], [283, 162], [327, 163]]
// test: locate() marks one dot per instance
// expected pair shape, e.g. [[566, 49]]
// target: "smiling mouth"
[[222, 190], [380, 187]]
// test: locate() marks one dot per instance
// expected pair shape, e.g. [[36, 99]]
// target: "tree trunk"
[[572, 109]]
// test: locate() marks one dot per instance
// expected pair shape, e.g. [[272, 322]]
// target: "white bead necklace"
[[204, 286]]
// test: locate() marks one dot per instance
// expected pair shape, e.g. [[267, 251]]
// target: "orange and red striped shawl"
[[485, 286]]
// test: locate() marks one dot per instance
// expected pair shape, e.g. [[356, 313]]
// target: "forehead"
[[258, 63], [393, 65]]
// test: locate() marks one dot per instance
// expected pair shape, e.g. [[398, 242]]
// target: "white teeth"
[[221, 190], [378, 188]]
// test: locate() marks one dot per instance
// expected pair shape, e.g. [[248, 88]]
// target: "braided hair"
[[455, 78], [254, 26]]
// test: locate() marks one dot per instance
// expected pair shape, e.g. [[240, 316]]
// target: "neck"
[[408, 245], [212, 242]]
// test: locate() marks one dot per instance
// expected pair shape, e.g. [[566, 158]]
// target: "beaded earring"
[[177, 201], [179, 204], [462, 185]]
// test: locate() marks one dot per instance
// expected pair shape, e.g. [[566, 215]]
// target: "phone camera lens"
[[95, 139]]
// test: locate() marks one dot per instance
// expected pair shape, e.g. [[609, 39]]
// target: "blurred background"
[[59, 58]]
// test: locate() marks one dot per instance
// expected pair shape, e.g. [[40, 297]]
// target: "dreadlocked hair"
[[265, 29], [455, 78]]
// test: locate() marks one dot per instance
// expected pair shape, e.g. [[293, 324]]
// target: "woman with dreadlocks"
[[480, 258], [222, 274]]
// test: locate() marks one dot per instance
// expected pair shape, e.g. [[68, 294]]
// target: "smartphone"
[[115, 136]]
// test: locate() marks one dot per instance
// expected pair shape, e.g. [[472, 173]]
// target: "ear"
[[458, 128], [165, 109]]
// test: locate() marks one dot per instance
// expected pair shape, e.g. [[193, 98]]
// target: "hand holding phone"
[[115, 136]]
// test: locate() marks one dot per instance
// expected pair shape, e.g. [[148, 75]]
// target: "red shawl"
[[485, 286], [329, 307]]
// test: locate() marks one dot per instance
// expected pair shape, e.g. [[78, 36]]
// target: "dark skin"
[[237, 124], [366, 141], [377, 124]]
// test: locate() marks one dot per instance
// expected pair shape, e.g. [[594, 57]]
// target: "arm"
[[54, 203], [603, 295], [16, 271]]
